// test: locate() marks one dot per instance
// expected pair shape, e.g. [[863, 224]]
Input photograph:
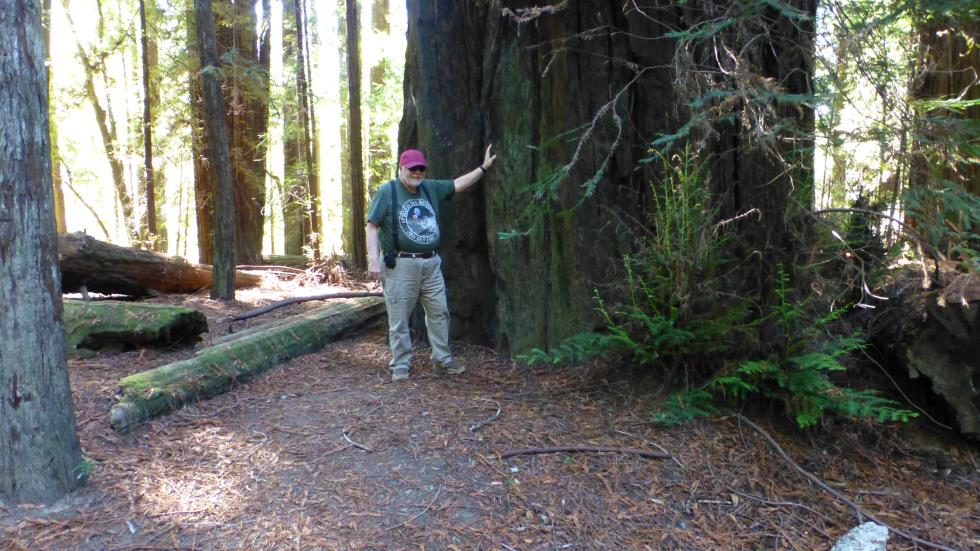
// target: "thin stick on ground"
[[654, 444], [861, 512], [422, 512], [355, 444], [477, 426], [586, 449]]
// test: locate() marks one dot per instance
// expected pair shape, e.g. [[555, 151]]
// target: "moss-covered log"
[[105, 268], [216, 369], [92, 327]]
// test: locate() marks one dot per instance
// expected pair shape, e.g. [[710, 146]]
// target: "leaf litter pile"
[[325, 452]]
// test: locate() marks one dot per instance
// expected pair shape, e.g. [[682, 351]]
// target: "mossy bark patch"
[[216, 369], [92, 327]]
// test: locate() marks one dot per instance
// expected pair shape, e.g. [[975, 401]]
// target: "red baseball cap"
[[412, 158]]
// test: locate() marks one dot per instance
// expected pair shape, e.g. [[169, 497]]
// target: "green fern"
[[574, 350]]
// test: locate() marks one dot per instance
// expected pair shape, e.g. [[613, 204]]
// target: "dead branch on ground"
[[296, 300], [585, 449]]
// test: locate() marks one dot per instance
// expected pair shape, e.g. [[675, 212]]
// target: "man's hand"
[[488, 159], [374, 271]]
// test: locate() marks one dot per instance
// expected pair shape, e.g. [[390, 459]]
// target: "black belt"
[[427, 254]]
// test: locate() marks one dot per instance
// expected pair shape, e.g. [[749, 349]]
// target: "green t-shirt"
[[418, 219]]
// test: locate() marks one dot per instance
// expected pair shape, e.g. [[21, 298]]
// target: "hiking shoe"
[[450, 366], [399, 373]]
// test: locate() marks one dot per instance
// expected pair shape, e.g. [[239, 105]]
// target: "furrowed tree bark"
[[223, 275], [39, 448], [477, 74], [113, 326], [214, 370], [105, 268]]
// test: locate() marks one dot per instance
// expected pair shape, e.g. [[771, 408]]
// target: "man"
[[406, 231]]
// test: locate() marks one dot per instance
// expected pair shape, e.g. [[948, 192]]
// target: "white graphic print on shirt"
[[417, 220]]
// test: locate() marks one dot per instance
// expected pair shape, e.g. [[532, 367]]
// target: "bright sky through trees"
[[85, 169]]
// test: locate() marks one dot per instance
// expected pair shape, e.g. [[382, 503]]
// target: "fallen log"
[[297, 261], [214, 370], [87, 263], [104, 326]]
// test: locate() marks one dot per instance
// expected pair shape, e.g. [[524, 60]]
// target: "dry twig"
[[422, 512], [585, 449], [296, 300], [355, 444], [477, 426]]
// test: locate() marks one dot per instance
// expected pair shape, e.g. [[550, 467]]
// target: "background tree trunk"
[[223, 278], [245, 92], [381, 163], [39, 450], [308, 124], [358, 240], [949, 67], [475, 77], [151, 209], [295, 213], [61, 223]]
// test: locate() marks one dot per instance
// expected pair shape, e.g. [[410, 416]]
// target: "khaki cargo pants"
[[410, 280]]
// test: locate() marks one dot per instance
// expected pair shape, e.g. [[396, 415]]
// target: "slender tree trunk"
[[358, 252], [151, 214], [306, 112], [203, 203], [39, 451], [295, 194], [61, 223], [343, 126], [223, 280]]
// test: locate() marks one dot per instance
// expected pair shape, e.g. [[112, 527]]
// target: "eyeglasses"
[[418, 169]]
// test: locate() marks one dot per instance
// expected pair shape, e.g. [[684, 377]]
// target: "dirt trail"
[[268, 466]]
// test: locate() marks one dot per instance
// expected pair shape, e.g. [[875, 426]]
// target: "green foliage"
[[685, 406], [674, 306], [85, 468], [948, 219], [675, 311], [573, 350], [798, 372]]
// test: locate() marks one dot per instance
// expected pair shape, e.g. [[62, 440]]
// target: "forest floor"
[[326, 452]]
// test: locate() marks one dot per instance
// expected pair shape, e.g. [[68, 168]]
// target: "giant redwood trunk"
[[39, 450], [532, 82]]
